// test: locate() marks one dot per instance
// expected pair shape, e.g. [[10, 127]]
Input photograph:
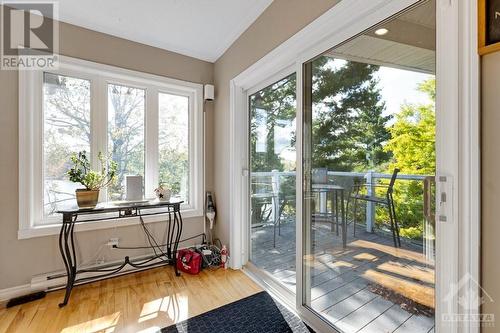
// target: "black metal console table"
[[123, 210]]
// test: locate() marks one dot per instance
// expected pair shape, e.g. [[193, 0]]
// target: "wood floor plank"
[[142, 301]]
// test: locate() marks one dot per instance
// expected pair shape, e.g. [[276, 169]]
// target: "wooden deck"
[[368, 287]]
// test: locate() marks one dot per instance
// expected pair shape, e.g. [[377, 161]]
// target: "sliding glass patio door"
[[272, 113], [368, 164]]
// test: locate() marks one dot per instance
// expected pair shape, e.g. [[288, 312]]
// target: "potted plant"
[[81, 172]]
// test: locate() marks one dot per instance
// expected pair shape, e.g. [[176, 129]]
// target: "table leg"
[[336, 212], [329, 215], [68, 254], [344, 220], [178, 224]]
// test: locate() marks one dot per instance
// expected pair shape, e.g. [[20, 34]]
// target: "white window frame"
[[31, 139]]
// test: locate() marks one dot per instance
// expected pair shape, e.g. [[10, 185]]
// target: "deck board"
[[388, 321], [356, 320], [342, 280], [416, 324]]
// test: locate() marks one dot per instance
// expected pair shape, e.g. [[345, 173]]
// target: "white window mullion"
[[196, 140], [151, 142], [37, 169]]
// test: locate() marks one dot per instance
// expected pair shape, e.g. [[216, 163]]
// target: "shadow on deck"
[[369, 286]]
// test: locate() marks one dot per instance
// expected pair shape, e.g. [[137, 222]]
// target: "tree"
[[67, 130], [173, 142], [125, 134], [413, 135], [270, 108], [412, 145], [349, 128]]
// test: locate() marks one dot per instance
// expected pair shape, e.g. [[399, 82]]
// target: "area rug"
[[258, 313]]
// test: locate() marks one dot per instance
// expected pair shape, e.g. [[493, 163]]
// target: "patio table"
[[335, 190]]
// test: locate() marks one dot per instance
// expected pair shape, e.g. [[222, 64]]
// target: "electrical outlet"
[[113, 242]]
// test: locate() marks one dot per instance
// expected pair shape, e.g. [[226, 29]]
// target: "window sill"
[[53, 229]]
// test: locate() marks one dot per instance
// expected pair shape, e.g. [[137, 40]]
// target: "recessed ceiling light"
[[381, 31]]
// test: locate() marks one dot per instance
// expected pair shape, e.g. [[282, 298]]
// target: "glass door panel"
[[369, 161], [272, 180]]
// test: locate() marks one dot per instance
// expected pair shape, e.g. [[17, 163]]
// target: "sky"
[[399, 87]]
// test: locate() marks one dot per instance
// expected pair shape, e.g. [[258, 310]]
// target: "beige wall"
[[21, 259], [490, 122], [281, 20]]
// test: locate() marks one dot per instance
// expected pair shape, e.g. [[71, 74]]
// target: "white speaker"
[[209, 92], [133, 188]]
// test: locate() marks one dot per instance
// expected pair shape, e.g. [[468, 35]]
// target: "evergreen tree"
[[349, 128], [273, 106]]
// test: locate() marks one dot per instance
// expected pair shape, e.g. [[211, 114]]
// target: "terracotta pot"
[[87, 198]]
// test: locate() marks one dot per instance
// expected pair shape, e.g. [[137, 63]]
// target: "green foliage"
[[82, 173], [349, 132], [173, 165], [413, 140], [348, 128], [412, 145], [411, 232], [273, 106]]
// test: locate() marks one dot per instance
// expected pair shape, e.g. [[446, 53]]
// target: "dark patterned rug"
[[258, 313]]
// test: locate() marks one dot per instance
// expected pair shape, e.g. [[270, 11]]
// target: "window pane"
[[174, 143], [369, 162], [272, 180], [66, 130], [125, 134]]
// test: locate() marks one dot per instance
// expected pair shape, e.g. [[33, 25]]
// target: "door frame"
[[457, 143]]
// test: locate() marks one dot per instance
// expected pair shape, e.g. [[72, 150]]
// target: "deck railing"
[[276, 177]]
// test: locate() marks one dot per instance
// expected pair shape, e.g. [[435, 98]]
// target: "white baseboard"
[[57, 280], [9, 293]]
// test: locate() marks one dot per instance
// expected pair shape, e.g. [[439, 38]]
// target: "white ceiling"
[[372, 50], [202, 29], [409, 44]]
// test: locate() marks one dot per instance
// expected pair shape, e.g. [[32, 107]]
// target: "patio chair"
[[269, 195], [320, 176], [347, 182], [386, 200]]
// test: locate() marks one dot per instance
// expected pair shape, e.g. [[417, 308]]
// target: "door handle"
[[429, 215]]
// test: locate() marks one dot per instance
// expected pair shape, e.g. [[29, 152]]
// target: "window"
[[125, 134], [66, 130], [173, 143], [149, 125]]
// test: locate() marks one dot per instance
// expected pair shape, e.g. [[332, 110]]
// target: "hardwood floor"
[[139, 302]]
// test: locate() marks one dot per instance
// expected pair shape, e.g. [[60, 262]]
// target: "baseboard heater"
[[57, 280]]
